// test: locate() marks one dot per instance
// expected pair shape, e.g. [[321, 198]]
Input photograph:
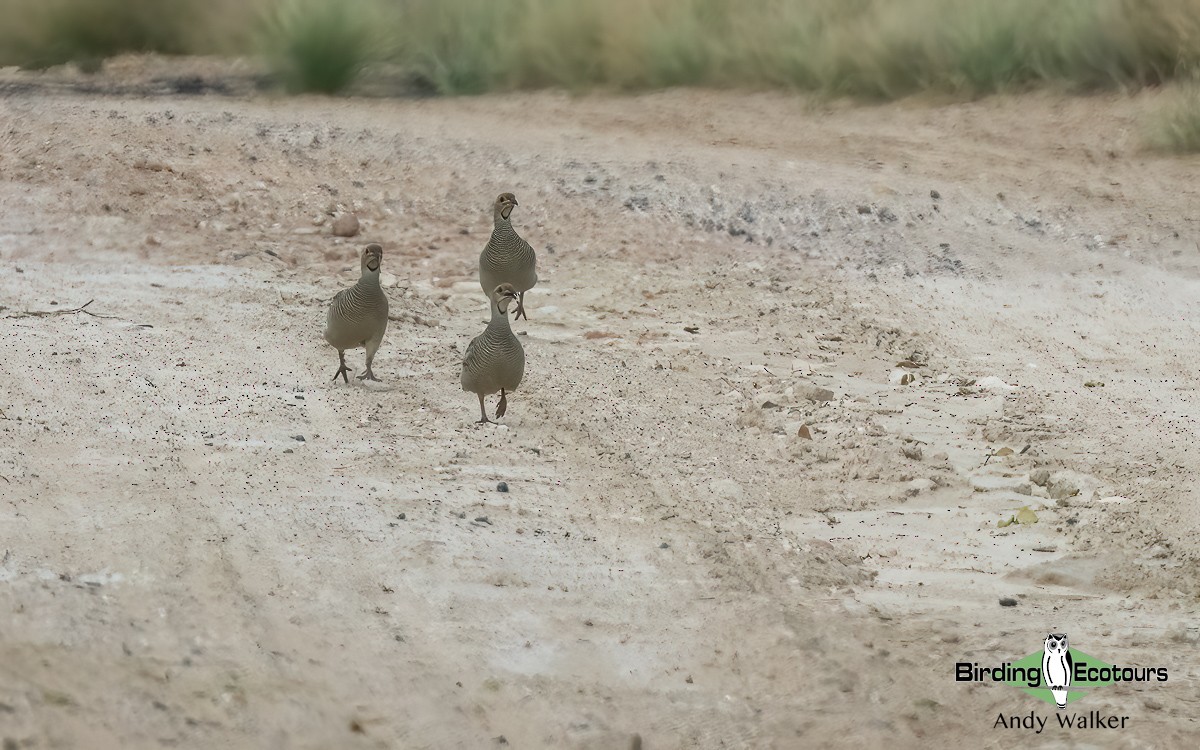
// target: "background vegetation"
[[870, 48]]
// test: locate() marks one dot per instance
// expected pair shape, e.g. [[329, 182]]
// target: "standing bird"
[[507, 258], [358, 316], [495, 360]]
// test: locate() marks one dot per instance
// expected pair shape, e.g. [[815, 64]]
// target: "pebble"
[[402, 517], [1063, 490], [664, 545], [1040, 477], [502, 487], [298, 438], [345, 225], [992, 382], [922, 484], [1008, 601], [815, 393]]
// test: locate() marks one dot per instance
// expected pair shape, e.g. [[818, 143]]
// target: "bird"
[[358, 316], [495, 360], [507, 258]]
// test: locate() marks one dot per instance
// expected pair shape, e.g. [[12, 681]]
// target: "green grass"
[[41, 34], [880, 49], [321, 45], [1175, 125]]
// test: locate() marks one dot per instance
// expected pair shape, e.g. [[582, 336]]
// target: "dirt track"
[[179, 568]]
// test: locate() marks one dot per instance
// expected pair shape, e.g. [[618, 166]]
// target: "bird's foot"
[[368, 375], [520, 313], [344, 372], [485, 420]]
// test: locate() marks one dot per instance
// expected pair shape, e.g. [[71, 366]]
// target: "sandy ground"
[[206, 543]]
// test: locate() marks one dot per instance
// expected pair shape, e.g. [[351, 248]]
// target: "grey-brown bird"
[[358, 316], [507, 259], [495, 360]]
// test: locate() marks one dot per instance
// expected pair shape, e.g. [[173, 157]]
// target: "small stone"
[[815, 393], [1040, 477], [285, 450], [912, 451], [935, 195], [804, 432], [345, 225], [1023, 489], [483, 519], [402, 517], [298, 438], [688, 679], [664, 545], [1062, 490], [1008, 601], [502, 487], [922, 484]]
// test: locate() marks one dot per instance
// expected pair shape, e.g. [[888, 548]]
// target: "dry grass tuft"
[[870, 48], [1175, 125]]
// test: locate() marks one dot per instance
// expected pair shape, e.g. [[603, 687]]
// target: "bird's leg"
[[372, 347], [502, 406], [343, 369], [520, 313], [482, 412]]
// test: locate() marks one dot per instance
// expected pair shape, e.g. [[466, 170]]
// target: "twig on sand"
[[48, 313]]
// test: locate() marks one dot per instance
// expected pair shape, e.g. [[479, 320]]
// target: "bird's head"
[[504, 205], [502, 295], [372, 257]]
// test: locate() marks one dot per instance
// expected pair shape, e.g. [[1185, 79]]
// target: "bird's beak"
[[514, 202]]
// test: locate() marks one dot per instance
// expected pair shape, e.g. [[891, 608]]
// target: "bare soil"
[[731, 520]]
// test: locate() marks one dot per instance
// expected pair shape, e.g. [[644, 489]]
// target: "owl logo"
[[1057, 667]]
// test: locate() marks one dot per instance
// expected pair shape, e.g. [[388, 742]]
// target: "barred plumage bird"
[[495, 360], [507, 258], [358, 316]]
